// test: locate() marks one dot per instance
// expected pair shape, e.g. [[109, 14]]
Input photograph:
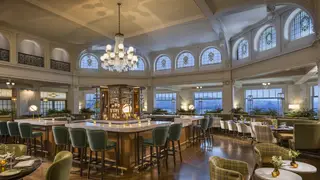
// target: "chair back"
[[3, 128], [239, 127], [175, 132], [60, 135], [221, 168], [264, 134], [13, 128], [222, 124], [25, 130], [61, 167], [78, 137], [210, 123], [160, 135], [18, 149], [253, 133], [245, 128], [204, 123], [97, 139], [306, 136], [232, 126]]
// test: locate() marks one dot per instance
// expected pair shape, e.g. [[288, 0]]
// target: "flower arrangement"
[[293, 155], [241, 117], [277, 163]]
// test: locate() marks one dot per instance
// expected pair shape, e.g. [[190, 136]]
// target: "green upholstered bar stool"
[[27, 134], [98, 142], [4, 131], [202, 127], [61, 166], [159, 138], [78, 139], [210, 128], [174, 135], [14, 131], [61, 138]]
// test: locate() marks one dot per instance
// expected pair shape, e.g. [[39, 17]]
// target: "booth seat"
[[292, 122], [306, 137]]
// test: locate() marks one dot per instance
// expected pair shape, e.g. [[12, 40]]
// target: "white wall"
[[27, 98], [60, 55], [30, 47], [4, 43]]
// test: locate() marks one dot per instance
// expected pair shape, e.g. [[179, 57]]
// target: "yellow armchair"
[[265, 151]]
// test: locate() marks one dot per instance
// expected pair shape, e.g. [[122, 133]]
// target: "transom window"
[[301, 26], [263, 99], [140, 64], [166, 101], [210, 56], [163, 63], [314, 98], [243, 49], [268, 39], [89, 61], [207, 101], [185, 59], [91, 101]]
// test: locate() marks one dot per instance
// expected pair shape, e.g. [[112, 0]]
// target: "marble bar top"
[[161, 116], [41, 122], [122, 128]]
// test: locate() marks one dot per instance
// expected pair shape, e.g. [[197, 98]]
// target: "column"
[[318, 65], [13, 48], [150, 98], [73, 99], [227, 96]]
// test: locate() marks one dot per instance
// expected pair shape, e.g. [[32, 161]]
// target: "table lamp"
[[33, 108]]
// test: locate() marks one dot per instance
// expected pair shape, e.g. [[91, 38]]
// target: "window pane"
[[301, 26], [210, 56], [166, 101], [185, 59], [163, 63], [140, 64], [89, 61], [243, 50], [207, 101], [268, 39]]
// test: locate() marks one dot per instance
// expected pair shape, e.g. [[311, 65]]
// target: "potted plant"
[[277, 163], [293, 155]]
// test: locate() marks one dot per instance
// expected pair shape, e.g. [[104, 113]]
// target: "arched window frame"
[[239, 52], [295, 25], [141, 64], [216, 58], [182, 62], [266, 43], [159, 65], [96, 67]]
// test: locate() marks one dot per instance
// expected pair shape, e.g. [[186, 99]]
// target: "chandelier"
[[119, 58]]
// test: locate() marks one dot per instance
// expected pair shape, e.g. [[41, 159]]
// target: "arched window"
[[60, 54], [140, 64], [210, 56], [301, 26], [89, 61], [243, 49], [163, 63], [268, 39], [185, 59]]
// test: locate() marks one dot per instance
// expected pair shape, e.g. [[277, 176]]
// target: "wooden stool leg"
[[193, 135], [180, 150], [41, 144], [80, 159], [166, 153], [158, 160], [151, 152], [89, 164], [102, 165]]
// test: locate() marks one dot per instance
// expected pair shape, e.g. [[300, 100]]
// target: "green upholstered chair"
[[61, 137], [27, 134], [61, 166], [78, 139], [227, 169], [98, 142], [4, 131], [305, 137], [19, 149], [158, 140], [265, 151], [202, 127], [14, 131], [174, 135]]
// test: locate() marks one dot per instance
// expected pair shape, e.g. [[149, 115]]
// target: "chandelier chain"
[[119, 4]]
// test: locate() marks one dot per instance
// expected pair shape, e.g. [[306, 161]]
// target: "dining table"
[[25, 171]]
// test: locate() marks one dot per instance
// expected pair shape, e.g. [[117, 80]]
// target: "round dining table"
[[302, 167], [265, 174], [25, 171]]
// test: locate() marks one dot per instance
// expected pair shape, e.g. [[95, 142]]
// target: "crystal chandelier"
[[119, 58]]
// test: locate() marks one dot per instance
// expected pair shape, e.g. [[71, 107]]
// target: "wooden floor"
[[195, 163]]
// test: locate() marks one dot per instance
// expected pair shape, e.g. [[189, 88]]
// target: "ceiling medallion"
[[211, 56], [121, 59]]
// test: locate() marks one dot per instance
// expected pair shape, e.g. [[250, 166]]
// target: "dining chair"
[[98, 142], [223, 125], [232, 127], [264, 151], [14, 131], [61, 167], [264, 134]]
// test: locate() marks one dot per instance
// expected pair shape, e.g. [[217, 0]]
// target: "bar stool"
[[27, 134], [78, 139], [61, 138], [203, 126], [14, 131], [159, 138], [210, 128], [4, 131], [174, 135], [98, 142]]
